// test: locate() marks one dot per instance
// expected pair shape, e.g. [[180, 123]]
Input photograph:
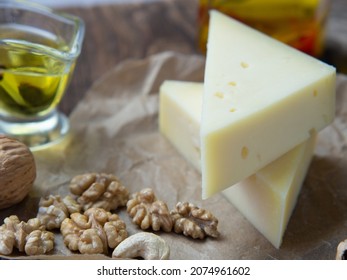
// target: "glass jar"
[[298, 23]]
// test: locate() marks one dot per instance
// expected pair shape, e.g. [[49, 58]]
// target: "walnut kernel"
[[39, 242], [148, 212], [29, 237], [194, 221], [53, 210], [93, 232], [94, 190]]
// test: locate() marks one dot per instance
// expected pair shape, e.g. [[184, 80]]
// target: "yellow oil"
[[298, 23], [33, 76]]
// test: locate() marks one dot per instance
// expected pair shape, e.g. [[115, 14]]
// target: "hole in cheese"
[[244, 64], [219, 95], [244, 152]]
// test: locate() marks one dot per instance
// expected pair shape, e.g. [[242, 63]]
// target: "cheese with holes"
[[261, 99], [266, 198]]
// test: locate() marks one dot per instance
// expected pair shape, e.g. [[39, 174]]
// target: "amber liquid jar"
[[298, 23]]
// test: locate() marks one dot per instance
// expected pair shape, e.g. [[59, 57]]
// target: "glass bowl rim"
[[76, 21]]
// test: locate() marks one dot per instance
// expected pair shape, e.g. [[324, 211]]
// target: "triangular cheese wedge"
[[261, 99], [266, 198]]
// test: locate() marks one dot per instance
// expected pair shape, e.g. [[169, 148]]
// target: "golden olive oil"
[[33, 73]]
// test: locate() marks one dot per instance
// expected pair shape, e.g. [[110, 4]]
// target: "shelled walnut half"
[[194, 221], [99, 190], [148, 212], [53, 210], [93, 232], [29, 237]]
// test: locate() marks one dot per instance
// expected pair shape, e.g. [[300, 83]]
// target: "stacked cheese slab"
[[266, 198], [250, 127]]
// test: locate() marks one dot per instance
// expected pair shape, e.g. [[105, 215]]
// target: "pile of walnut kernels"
[[87, 225]]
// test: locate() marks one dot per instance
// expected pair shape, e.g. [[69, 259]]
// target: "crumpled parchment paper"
[[115, 130]]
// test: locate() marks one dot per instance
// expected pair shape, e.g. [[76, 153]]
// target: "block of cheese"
[[179, 117], [266, 198], [261, 99]]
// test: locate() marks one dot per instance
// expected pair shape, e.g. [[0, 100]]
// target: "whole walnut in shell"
[[17, 171]]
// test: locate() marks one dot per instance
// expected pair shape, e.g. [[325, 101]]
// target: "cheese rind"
[[261, 99], [266, 198]]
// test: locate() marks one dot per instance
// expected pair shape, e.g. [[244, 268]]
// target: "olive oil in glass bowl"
[[38, 52]]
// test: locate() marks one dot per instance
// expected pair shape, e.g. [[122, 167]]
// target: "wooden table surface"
[[115, 32]]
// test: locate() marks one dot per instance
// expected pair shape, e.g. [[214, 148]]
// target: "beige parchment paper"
[[115, 130]]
